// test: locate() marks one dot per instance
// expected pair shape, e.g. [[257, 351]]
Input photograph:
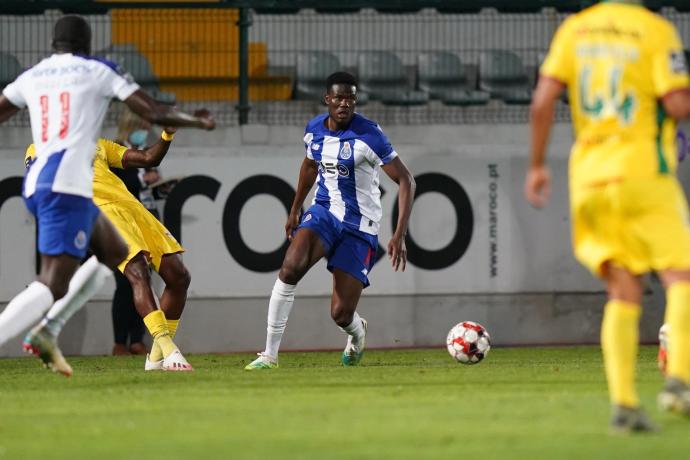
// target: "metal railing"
[[194, 57]]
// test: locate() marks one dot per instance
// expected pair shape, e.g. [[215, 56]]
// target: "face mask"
[[138, 138]]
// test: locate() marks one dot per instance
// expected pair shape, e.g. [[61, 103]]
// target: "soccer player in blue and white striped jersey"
[[344, 152]]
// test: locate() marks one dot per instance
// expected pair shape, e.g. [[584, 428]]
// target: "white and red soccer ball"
[[468, 342]]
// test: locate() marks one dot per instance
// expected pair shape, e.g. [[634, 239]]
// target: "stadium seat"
[[442, 75], [131, 60], [503, 75], [313, 67], [10, 68], [382, 77]]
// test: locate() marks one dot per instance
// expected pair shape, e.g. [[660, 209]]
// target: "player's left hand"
[[206, 118], [538, 186], [397, 252]]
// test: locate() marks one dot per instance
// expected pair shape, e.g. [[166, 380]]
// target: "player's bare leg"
[[137, 272], [675, 396], [619, 343], [56, 272], [110, 250], [346, 293], [304, 251], [177, 279]]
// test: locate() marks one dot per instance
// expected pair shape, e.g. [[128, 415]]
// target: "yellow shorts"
[[142, 232], [641, 225]]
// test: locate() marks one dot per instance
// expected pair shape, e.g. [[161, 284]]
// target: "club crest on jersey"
[[345, 151], [80, 240]]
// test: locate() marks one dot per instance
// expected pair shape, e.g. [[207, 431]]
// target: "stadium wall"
[[480, 252]]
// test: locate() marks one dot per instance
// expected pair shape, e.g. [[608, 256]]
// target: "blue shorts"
[[64, 222], [347, 249]]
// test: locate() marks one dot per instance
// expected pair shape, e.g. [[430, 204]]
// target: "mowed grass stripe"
[[519, 403]]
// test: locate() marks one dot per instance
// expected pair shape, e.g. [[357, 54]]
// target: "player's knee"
[[341, 316], [290, 274]]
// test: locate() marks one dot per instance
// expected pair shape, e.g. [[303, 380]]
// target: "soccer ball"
[[662, 357], [468, 342]]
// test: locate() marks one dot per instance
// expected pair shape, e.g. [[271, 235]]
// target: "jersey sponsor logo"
[[333, 169], [315, 146], [80, 240], [343, 170], [677, 62], [307, 218], [345, 151], [60, 71]]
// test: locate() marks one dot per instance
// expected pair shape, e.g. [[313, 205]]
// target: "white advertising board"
[[470, 231]]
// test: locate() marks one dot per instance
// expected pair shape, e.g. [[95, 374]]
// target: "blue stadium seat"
[[443, 76], [382, 77]]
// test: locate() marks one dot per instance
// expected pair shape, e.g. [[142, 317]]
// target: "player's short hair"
[[340, 78], [72, 33]]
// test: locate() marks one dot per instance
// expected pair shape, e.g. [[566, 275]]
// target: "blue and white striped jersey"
[[349, 162]]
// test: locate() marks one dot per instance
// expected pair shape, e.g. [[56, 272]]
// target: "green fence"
[[415, 65]]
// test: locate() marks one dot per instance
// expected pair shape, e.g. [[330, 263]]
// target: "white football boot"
[[175, 362], [352, 354], [153, 365]]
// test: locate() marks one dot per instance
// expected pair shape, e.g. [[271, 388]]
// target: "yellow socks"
[[172, 326], [619, 342], [156, 352], [678, 320], [157, 325]]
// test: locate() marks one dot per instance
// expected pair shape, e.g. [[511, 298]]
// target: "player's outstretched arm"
[[307, 176], [143, 105], [538, 181], [7, 109], [152, 156], [398, 172]]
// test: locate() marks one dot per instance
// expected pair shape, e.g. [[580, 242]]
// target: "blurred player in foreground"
[[628, 83], [149, 242], [67, 95], [345, 151]]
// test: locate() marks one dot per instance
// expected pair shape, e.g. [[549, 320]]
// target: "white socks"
[[279, 308], [24, 310], [86, 282], [355, 329]]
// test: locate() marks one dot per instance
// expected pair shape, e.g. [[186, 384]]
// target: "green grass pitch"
[[521, 403]]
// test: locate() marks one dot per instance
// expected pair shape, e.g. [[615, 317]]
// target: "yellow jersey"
[[107, 187], [618, 59]]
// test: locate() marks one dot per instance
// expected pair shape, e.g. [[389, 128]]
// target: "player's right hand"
[[206, 119], [291, 224], [538, 186]]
